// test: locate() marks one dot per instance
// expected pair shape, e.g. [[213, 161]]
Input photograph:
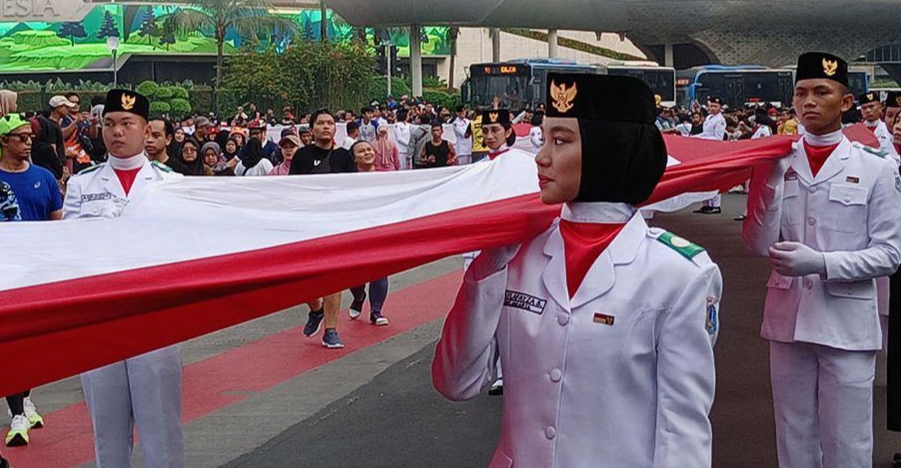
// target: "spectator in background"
[[536, 137], [463, 145], [684, 127], [39, 199], [157, 146], [8, 102], [188, 126], [365, 158], [353, 134], [402, 129], [203, 131], [419, 136], [437, 152], [253, 163], [269, 149], [190, 157], [306, 136], [697, 123], [367, 125], [387, 157], [231, 149], [289, 145], [214, 163]]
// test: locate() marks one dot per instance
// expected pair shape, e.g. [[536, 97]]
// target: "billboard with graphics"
[[81, 45]]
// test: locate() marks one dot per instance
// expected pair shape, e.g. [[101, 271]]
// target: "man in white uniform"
[[605, 326], [463, 146], [143, 390], [714, 129], [829, 218], [871, 110], [402, 131]]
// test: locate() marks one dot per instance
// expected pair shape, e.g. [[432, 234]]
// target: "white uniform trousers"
[[714, 202], [145, 390], [823, 399]]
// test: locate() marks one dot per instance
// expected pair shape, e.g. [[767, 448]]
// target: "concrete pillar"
[[552, 43], [416, 58], [495, 44], [667, 55]]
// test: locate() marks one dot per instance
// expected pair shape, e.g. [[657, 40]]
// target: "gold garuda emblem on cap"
[[871, 96], [563, 96], [830, 67], [492, 116], [128, 102], [657, 99]]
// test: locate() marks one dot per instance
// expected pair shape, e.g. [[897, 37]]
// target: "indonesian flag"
[[196, 255]]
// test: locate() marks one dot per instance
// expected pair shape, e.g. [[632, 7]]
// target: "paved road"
[[261, 395]]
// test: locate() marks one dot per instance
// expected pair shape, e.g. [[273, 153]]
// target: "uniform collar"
[[828, 139], [127, 164], [503, 149], [833, 165], [597, 212]]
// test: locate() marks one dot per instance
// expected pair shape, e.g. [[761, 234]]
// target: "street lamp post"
[[388, 46], [112, 43]]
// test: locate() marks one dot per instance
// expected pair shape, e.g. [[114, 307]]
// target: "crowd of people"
[[671, 388]]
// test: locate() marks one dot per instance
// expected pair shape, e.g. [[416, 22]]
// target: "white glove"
[[493, 260], [114, 208], [796, 259]]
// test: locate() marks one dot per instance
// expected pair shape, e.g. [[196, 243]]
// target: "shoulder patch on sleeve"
[[160, 166], [874, 151], [685, 248], [90, 169]]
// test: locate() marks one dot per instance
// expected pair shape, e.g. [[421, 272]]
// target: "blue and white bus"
[[736, 85], [661, 80], [517, 83]]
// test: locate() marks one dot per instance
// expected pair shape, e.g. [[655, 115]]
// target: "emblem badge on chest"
[[603, 319], [518, 300]]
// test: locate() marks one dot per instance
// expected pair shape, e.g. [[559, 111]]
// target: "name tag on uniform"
[[603, 318], [852, 180], [89, 197], [523, 301]]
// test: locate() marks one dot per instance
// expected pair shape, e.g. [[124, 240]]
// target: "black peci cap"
[[821, 65], [496, 116], [123, 100], [867, 98], [715, 100], [893, 99], [600, 97]]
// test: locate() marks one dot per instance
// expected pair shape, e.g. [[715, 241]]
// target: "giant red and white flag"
[[193, 256]]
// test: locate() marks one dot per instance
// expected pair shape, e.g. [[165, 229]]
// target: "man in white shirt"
[[463, 146], [714, 129], [402, 129], [871, 110]]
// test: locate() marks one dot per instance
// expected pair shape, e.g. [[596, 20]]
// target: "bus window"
[[511, 90]]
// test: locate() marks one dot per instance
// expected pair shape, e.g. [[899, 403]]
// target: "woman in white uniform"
[[605, 326]]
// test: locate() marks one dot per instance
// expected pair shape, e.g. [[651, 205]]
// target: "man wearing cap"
[[143, 390], [871, 110], [714, 129], [892, 108], [271, 150], [202, 129], [828, 216], [596, 375], [37, 196]]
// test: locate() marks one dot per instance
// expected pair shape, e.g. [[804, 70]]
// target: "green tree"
[[249, 18], [149, 29], [72, 30], [452, 34], [108, 26]]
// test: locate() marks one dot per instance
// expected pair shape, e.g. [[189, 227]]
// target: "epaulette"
[[90, 169], [874, 151], [685, 248], [161, 166]]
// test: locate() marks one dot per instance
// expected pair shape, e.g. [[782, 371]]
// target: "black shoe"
[[314, 322], [376, 318], [708, 210], [740, 218], [497, 388], [356, 307]]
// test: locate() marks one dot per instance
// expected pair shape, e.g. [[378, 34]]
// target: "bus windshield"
[[510, 89], [661, 82]]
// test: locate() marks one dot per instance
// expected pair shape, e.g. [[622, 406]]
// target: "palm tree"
[[249, 18]]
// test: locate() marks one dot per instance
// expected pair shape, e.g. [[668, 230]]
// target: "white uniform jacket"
[[886, 141], [463, 145], [714, 128], [622, 375], [851, 211], [96, 192]]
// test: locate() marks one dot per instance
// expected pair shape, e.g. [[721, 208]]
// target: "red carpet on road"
[[234, 375]]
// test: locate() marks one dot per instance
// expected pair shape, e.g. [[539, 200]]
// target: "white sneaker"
[[18, 431], [35, 419], [354, 314]]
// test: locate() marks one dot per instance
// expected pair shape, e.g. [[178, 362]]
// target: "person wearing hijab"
[[230, 150], [253, 163], [214, 163], [190, 156], [387, 156], [8, 102], [605, 326]]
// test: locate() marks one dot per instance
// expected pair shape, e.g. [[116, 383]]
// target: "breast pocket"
[[791, 203], [847, 208]]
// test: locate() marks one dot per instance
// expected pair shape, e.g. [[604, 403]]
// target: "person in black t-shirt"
[[323, 157], [437, 152]]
